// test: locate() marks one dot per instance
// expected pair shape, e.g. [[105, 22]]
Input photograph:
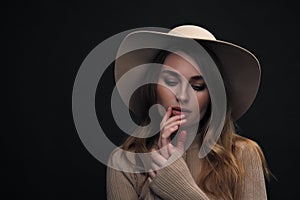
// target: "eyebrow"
[[172, 73]]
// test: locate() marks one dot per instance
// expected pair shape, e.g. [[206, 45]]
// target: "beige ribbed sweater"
[[177, 181]]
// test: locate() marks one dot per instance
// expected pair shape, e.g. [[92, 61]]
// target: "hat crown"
[[192, 31]]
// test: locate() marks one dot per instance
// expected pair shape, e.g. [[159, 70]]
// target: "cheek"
[[164, 95], [203, 101]]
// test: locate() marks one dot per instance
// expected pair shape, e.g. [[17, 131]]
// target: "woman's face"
[[178, 81]]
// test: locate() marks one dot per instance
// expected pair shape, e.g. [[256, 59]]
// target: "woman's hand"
[[169, 125]]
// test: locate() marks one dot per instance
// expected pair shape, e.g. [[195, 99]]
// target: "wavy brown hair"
[[222, 172]]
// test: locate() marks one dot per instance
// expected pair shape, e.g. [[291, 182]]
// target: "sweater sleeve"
[[176, 182], [253, 187], [120, 184]]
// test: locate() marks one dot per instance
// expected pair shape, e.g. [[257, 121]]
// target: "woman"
[[233, 167]]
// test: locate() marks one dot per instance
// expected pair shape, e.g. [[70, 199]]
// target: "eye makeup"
[[172, 79]]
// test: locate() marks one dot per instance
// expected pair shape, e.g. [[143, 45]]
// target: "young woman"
[[233, 168]]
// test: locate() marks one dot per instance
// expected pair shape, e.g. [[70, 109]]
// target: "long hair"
[[221, 172]]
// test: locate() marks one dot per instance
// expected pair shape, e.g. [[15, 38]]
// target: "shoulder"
[[122, 169], [252, 168], [122, 160], [248, 149], [244, 143]]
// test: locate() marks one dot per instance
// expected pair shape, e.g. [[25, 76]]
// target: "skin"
[[179, 81]]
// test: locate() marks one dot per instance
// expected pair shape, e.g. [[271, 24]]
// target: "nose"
[[182, 94]]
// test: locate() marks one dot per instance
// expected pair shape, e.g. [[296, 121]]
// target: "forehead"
[[183, 64]]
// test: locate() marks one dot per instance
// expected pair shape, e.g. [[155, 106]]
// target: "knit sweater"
[[177, 180]]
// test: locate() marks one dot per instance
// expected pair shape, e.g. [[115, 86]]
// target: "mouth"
[[180, 111]]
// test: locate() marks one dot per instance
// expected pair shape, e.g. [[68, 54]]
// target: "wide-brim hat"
[[239, 68]]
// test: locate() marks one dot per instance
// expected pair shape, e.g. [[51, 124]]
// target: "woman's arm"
[[176, 182], [254, 183], [171, 178], [119, 186]]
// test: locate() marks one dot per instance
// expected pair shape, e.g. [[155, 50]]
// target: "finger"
[[171, 149], [176, 123], [181, 141], [167, 115], [164, 149], [173, 118], [151, 174], [157, 159], [168, 132]]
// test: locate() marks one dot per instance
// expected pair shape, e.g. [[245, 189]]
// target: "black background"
[[43, 157]]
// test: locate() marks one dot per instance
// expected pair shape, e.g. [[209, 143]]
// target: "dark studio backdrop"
[[42, 155]]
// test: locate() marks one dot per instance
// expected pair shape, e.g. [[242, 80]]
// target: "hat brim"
[[239, 68]]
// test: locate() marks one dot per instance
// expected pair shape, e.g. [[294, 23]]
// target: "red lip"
[[176, 110]]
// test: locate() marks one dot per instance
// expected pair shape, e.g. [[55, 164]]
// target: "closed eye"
[[171, 82], [199, 87]]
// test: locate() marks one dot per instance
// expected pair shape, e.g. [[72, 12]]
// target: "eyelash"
[[197, 88], [171, 83]]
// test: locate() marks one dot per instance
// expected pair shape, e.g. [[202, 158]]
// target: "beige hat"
[[239, 68]]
